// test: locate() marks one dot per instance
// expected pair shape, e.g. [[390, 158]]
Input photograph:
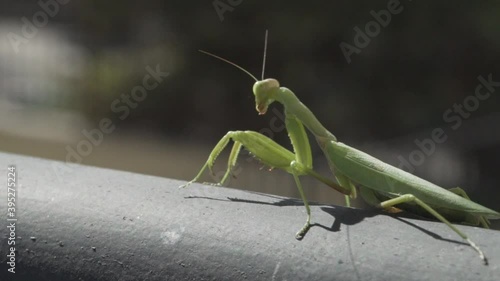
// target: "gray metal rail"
[[84, 223]]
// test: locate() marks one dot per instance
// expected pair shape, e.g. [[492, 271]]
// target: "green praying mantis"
[[380, 184]]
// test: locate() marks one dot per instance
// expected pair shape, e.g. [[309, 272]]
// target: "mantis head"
[[264, 92]]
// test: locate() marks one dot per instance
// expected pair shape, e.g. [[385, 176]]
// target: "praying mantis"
[[380, 184]]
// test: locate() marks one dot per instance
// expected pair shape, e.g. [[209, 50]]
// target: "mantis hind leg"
[[411, 198], [475, 220], [371, 198]]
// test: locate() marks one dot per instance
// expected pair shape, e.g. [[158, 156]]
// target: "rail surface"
[[76, 222]]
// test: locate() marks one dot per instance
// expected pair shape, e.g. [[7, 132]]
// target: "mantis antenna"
[[231, 63], [239, 67], [265, 52]]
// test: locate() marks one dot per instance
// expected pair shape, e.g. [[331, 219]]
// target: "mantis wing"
[[390, 181]]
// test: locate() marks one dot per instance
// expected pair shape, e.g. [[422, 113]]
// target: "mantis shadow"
[[350, 216], [282, 202], [430, 233], [342, 215]]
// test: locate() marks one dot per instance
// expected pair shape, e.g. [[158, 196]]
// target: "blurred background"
[[120, 84]]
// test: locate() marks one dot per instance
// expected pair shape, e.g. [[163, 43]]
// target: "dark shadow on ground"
[[342, 215]]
